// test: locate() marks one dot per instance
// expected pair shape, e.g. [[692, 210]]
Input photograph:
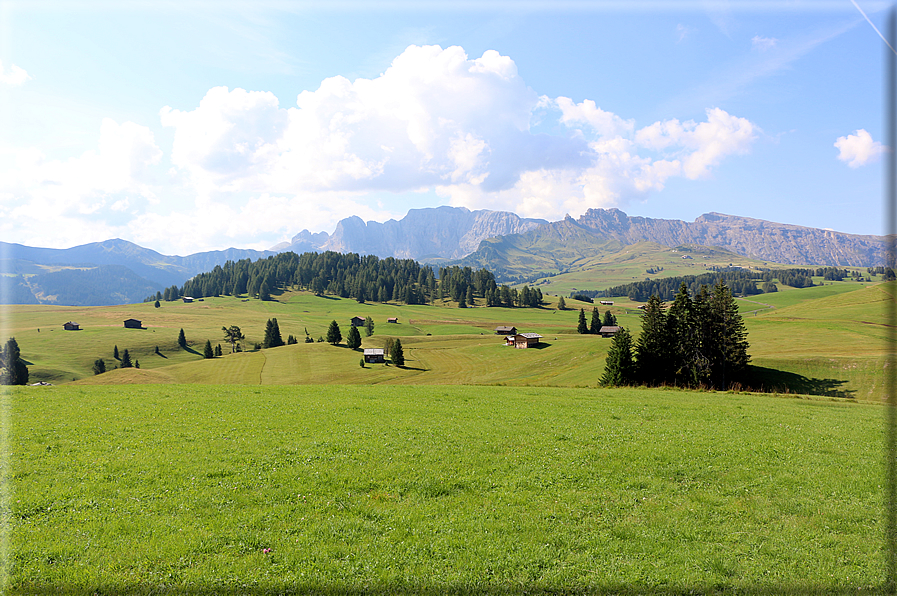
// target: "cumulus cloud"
[[436, 120], [858, 149], [13, 76]]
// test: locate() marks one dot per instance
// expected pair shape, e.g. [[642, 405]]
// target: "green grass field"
[[157, 489], [825, 340]]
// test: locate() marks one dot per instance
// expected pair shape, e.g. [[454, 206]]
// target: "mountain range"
[[118, 271]]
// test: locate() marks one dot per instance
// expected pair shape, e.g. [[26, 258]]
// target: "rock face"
[[446, 232], [780, 243]]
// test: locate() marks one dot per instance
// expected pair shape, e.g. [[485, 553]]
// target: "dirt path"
[[768, 306]]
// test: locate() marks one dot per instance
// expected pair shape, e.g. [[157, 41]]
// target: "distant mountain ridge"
[[511, 246], [435, 232]]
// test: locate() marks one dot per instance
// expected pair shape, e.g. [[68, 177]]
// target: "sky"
[[194, 126]]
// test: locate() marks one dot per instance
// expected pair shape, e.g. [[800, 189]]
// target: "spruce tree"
[[136, 363], [182, 339], [157, 305], [353, 341], [333, 333], [582, 327], [218, 351], [99, 366], [369, 326], [682, 333], [13, 370], [208, 352], [651, 354], [115, 353], [398, 354], [619, 368], [595, 325], [126, 359], [609, 319], [562, 304], [729, 358]]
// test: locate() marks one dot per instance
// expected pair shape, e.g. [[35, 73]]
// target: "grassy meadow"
[[825, 340], [154, 489]]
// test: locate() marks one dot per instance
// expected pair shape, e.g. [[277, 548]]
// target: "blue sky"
[[198, 126]]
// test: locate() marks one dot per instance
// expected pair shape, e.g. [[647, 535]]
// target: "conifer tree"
[[398, 354], [207, 351], [582, 327], [99, 366], [369, 326], [353, 341], [595, 325], [182, 339], [609, 319], [115, 353], [728, 357], [218, 350], [333, 333], [13, 370], [562, 304], [126, 359], [682, 334], [619, 368], [157, 305], [136, 363], [651, 349]]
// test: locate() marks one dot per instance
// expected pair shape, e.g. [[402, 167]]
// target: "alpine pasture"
[[475, 468]]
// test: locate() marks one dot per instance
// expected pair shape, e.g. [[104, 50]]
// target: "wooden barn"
[[133, 324], [357, 321], [71, 326], [609, 330], [392, 320], [526, 340], [374, 356], [505, 330]]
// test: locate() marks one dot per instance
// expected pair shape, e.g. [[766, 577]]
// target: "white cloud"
[[13, 76], [682, 32], [246, 171], [858, 149], [763, 43]]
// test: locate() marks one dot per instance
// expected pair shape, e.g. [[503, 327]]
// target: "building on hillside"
[[357, 321], [374, 355], [526, 340], [71, 326], [505, 330], [392, 320], [609, 330], [187, 299], [607, 302], [133, 324]]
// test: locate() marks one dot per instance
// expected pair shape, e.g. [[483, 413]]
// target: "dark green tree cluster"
[[353, 341], [365, 278], [273, 338], [207, 351], [698, 341], [13, 370], [126, 359], [509, 297], [463, 284]]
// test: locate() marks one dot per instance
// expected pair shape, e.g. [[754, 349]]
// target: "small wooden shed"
[[392, 320], [374, 356], [505, 330], [526, 340], [357, 321], [609, 330], [71, 326], [133, 324]]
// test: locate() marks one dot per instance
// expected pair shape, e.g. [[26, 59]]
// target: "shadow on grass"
[[447, 588], [772, 380], [192, 351]]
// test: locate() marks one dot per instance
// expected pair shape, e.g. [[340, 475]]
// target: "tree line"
[[698, 341]]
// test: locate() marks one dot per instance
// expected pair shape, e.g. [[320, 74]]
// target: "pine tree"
[[582, 327], [182, 339], [728, 356], [619, 368], [115, 353], [369, 326], [398, 354], [462, 302], [264, 291], [136, 363], [99, 366], [354, 339], [682, 333], [651, 355], [218, 350], [609, 319], [126, 359], [157, 305], [595, 325], [13, 370], [207, 351], [562, 304], [333, 333]]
